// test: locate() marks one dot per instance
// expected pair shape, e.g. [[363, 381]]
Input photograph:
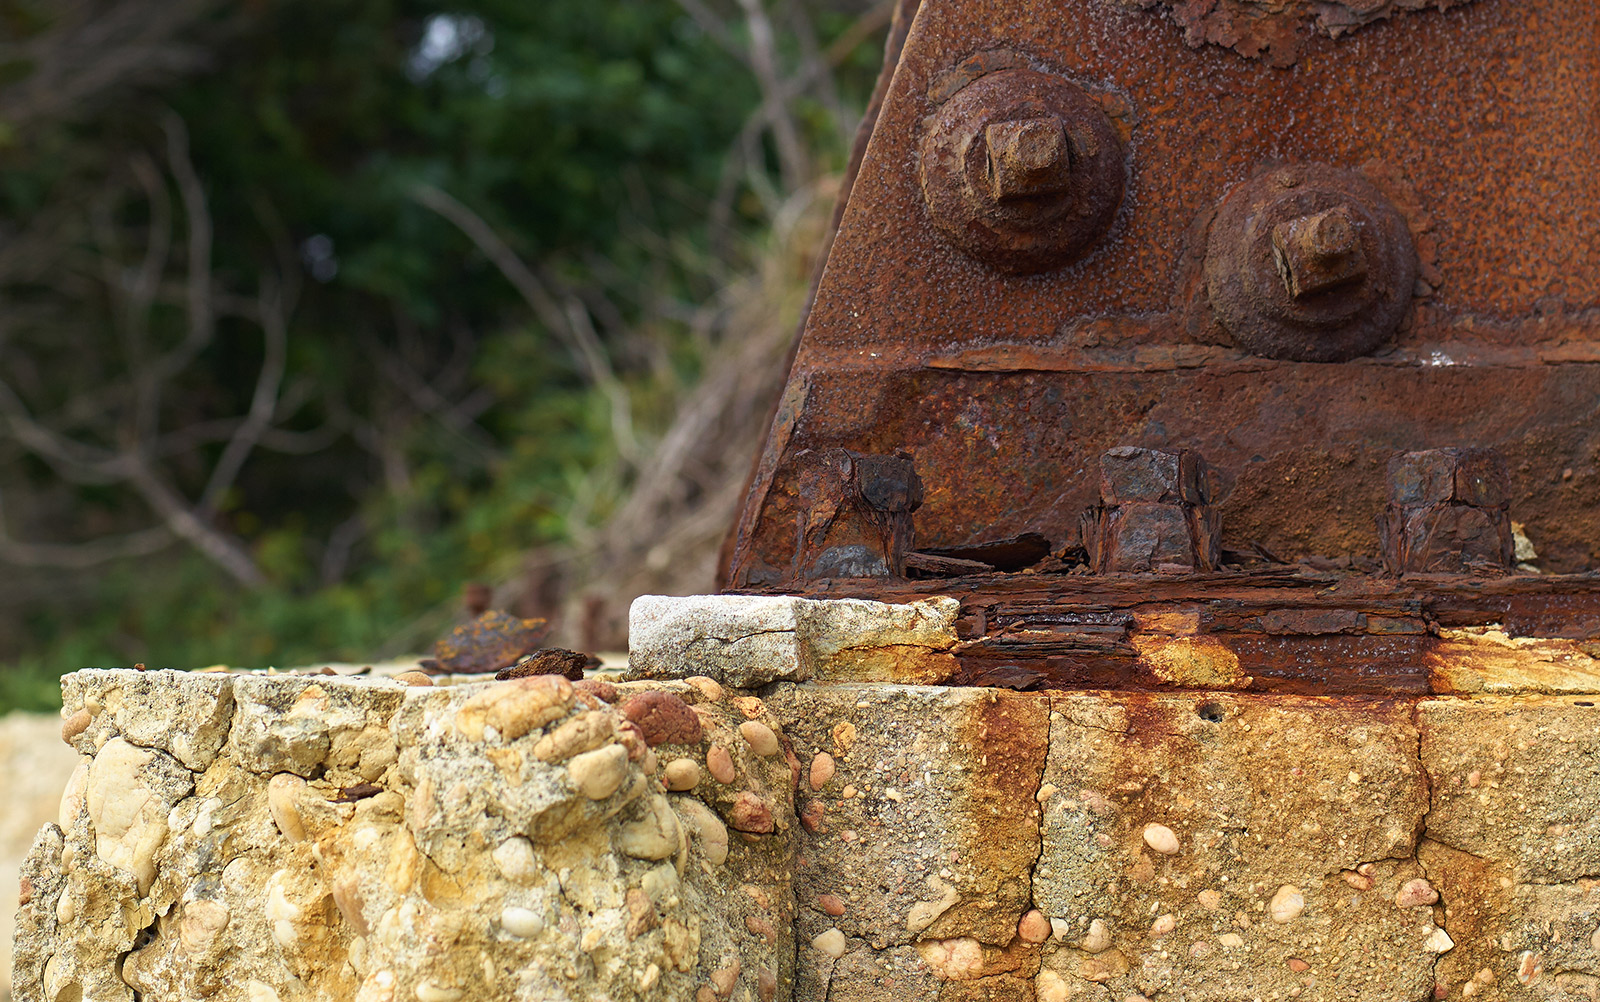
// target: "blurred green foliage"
[[592, 135]]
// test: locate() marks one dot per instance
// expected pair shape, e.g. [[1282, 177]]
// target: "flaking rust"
[[1327, 246]]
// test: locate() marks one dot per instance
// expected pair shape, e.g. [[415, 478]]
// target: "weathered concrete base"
[[321, 838]]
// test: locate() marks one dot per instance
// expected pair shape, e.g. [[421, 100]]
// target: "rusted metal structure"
[[1346, 252]]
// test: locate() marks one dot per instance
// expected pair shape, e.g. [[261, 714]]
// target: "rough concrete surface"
[[34, 766], [326, 838]]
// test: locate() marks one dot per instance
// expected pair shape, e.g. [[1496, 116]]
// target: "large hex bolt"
[[854, 517], [1156, 513], [1022, 170], [1309, 263], [1447, 513]]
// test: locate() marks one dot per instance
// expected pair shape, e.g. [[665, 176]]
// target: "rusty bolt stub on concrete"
[[1022, 170], [1156, 513], [1447, 512], [1309, 263], [855, 514]]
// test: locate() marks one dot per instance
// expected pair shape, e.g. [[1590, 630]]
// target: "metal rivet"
[[1021, 170], [1309, 263]]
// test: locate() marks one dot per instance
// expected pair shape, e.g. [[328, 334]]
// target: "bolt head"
[[1318, 252], [1028, 158]]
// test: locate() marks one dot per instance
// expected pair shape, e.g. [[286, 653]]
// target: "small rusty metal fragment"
[[1155, 513], [855, 515], [1022, 170], [493, 641], [1309, 263], [1447, 512], [550, 661]]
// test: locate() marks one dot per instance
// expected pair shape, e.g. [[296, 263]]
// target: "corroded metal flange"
[[1022, 170], [1309, 263]]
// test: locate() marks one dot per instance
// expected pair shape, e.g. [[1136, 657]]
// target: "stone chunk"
[[184, 714], [748, 641]]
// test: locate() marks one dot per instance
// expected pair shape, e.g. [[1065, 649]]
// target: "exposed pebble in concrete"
[[598, 774], [1161, 838], [681, 774], [664, 719], [1286, 905], [1529, 966], [830, 904], [1439, 941], [76, 724], [750, 813], [1163, 925], [1097, 938], [1034, 927], [1415, 892], [1297, 965], [822, 770], [760, 738], [282, 791], [720, 764], [725, 977], [957, 959], [523, 923], [831, 942], [415, 678], [1050, 987], [1104, 966], [1359, 881]]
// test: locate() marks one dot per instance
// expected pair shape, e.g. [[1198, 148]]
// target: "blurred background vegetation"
[[312, 315]]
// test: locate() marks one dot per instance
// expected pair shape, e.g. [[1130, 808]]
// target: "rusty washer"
[[1309, 263], [1022, 170]]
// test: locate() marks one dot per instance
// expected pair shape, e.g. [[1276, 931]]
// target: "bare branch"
[[570, 322], [263, 402]]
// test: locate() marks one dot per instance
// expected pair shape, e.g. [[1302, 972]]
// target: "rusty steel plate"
[[1476, 128]]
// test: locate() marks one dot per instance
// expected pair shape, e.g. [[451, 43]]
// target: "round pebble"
[[719, 763], [830, 905], [1034, 926], [681, 774], [75, 725], [750, 813], [1286, 905], [524, 923], [598, 774], [1163, 925], [760, 738], [1097, 938], [1161, 839], [1051, 987], [832, 943], [416, 678], [708, 687], [1415, 892], [822, 770], [725, 977]]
